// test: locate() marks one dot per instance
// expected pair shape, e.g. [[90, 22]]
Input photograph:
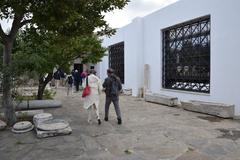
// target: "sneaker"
[[99, 121], [119, 121], [106, 118]]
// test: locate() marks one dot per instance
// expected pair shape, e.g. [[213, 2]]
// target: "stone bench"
[[216, 109], [161, 99]]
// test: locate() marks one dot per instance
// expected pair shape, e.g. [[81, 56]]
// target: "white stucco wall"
[[224, 47], [118, 37], [143, 45], [133, 54]]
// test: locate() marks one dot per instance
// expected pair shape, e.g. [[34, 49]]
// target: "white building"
[[190, 47]]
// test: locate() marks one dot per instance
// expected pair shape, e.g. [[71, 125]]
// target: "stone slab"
[[22, 131], [28, 113], [39, 118], [44, 134], [42, 116], [127, 92], [52, 125], [161, 99], [38, 104], [2, 125], [216, 109], [23, 125], [25, 113]]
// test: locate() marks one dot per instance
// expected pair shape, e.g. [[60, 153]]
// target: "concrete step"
[[161, 99], [215, 109]]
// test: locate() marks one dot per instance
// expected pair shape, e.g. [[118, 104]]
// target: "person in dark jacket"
[[69, 82], [56, 77], [112, 86], [77, 79], [62, 76]]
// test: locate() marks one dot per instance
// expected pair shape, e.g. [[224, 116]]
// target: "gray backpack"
[[115, 86]]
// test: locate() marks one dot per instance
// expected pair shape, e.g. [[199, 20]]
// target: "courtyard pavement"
[[149, 132]]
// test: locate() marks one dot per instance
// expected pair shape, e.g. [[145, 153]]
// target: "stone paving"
[[149, 132]]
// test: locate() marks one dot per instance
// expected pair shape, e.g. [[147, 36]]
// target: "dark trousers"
[[115, 101], [77, 85]]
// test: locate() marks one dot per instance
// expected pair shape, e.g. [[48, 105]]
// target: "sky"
[[135, 8], [120, 18]]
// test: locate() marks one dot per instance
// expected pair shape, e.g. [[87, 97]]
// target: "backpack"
[[70, 80], [115, 86], [56, 75]]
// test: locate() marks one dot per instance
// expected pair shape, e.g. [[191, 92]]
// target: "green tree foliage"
[[63, 17], [46, 50], [68, 17]]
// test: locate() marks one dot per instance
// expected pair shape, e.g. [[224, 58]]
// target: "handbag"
[[86, 90]]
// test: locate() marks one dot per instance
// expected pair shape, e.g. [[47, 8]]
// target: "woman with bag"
[[91, 95]]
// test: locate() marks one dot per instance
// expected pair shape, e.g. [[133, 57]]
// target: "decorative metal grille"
[[186, 56], [116, 59]]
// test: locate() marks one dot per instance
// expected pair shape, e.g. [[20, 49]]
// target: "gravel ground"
[[149, 132]]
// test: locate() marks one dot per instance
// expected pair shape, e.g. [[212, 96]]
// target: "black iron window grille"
[[186, 56], [116, 59]]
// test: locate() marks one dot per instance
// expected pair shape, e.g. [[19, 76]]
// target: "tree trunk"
[[42, 85], [9, 109], [8, 39], [41, 88]]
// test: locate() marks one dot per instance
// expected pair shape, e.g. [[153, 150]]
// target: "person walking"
[[62, 77], [56, 77], [83, 76], [69, 82], [112, 86], [91, 101], [77, 79]]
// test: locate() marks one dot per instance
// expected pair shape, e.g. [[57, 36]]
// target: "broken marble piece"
[[28, 113], [22, 127], [38, 104], [127, 92], [53, 124], [53, 127], [161, 99], [25, 114], [211, 108], [2, 125], [39, 118], [61, 132]]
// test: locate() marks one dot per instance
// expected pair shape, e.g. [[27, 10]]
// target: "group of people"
[[75, 79], [111, 86], [78, 78], [58, 77]]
